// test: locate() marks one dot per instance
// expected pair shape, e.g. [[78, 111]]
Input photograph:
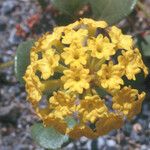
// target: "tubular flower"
[[78, 66], [101, 47], [34, 87], [128, 101], [47, 65], [74, 55], [91, 108], [61, 103], [82, 130], [106, 124], [74, 36], [76, 79], [121, 41], [132, 62], [110, 76]]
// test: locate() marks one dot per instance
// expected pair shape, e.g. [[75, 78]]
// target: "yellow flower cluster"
[[72, 66]]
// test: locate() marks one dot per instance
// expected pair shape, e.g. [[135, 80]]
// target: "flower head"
[[110, 76], [128, 101], [76, 79], [122, 41], [91, 108], [74, 55], [71, 36], [101, 47], [132, 62], [78, 66]]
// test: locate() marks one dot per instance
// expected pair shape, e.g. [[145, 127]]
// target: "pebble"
[[101, 142], [2, 25], [144, 147], [134, 136], [8, 6], [137, 127], [111, 143]]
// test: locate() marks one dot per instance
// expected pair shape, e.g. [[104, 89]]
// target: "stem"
[[60, 68], [51, 85], [92, 62], [142, 7], [6, 65], [101, 91], [97, 66]]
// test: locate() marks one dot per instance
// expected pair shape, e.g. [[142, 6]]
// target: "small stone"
[[2, 25], [10, 114], [134, 136], [113, 133], [137, 127], [8, 6], [111, 143], [144, 147], [101, 142]]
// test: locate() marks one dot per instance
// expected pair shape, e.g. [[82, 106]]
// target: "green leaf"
[[22, 59], [146, 46], [69, 7], [111, 11], [71, 122], [48, 137]]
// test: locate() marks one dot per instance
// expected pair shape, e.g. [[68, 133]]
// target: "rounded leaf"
[[146, 46], [22, 59], [68, 7], [111, 11], [48, 137]]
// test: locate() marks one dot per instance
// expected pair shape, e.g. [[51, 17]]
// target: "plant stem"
[[51, 85], [142, 7], [43, 4], [61, 68], [6, 65]]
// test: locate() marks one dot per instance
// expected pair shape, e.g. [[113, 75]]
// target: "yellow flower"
[[51, 121], [93, 24], [121, 41], [33, 56], [106, 124], [91, 108], [140, 62], [132, 62], [34, 87], [82, 130], [51, 39], [71, 36], [128, 101], [42, 112], [47, 64], [74, 55], [74, 25], [110, 76], [61, 103], [76, 79], [101, 47]]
